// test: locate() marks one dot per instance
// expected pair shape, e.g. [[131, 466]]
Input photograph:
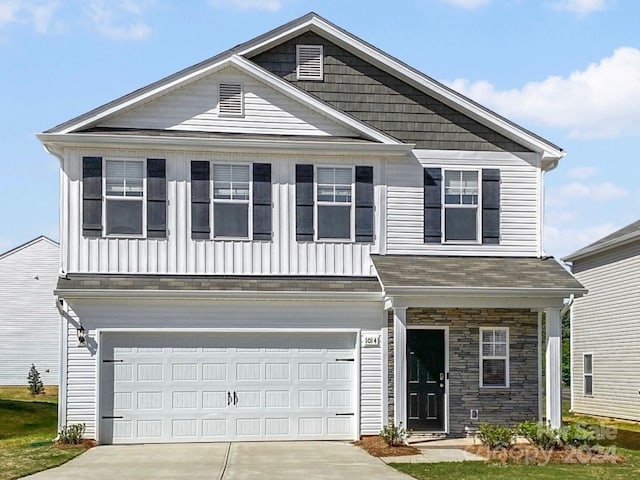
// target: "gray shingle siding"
[[387, 103]]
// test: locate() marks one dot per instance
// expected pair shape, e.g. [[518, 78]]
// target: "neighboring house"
[[605, 327], [29, 319], [302, 238]]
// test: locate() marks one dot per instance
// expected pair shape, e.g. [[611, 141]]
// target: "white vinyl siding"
[[80, 404], [179, 254], [520, 201], [606, 324], [195, 107], [29, 319]]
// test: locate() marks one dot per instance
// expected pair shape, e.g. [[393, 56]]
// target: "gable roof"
[[620, 237], [550, 152], [41, 238]]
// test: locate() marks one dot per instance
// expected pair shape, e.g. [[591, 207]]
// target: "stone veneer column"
[[399, 365], [553, 371]]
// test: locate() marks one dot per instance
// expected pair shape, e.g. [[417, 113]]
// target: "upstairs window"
[[461, 212], [587, 374], [230, 99], [334, 199], [124, 192], [309, 62], [494, 357], [231, 201]]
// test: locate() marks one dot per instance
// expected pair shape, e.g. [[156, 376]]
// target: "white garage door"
[[218, 387]]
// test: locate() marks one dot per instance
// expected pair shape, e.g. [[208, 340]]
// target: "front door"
[[425, 380]]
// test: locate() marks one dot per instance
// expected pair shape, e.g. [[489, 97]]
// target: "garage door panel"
[[208, 387]]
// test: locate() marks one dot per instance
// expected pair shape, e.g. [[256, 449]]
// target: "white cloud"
[[579, 7], [270, 5], [582, 173], [42, 15], [601, 101], [37, 14], [560, 241], [113, 21], [599, 192], [8, 11], [469, 4]]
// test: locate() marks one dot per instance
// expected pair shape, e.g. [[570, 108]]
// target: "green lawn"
[[26, 421], [477, 470]]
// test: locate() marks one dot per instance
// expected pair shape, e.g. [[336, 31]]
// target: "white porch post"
[[553, 371], [400, 365]]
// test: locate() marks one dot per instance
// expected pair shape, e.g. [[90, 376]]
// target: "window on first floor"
[[461, 212], [494, 357], [231, 201], [334, 200], [124, 197], [587, 374]]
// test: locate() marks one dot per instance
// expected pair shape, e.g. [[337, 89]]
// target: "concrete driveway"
[[228, 461]]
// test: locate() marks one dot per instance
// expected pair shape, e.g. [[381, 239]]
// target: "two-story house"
[[302, 238]]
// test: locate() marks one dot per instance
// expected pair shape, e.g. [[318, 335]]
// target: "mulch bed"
[[529, 454], [87, 444], [377, 447]]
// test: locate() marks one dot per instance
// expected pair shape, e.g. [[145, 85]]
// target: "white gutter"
[[484, 291]]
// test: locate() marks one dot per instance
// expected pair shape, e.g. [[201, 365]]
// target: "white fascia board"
[[454, 99], [241, 295], [484, 292], [435, 301], [99, 140], [602, 247]]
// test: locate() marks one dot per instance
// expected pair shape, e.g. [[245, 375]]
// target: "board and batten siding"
[[195, 107], [29, 319], [180, 254], [520, 200], [606, 324], [80, 399]]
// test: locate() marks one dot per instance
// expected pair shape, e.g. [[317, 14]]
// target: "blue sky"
[[567, 69]]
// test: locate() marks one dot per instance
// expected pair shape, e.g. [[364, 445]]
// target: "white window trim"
[[316, 204], [585, 375], [478, 240], [142, 199], [494, 357], [249, 202], [242, 100], [319, 77]]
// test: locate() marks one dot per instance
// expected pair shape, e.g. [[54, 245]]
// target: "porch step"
[[425, 438]]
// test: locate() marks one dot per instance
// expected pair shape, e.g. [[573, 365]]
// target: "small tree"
[[36, 387]]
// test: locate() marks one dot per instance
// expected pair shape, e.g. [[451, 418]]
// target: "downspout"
[[569, 307], [62, 372]]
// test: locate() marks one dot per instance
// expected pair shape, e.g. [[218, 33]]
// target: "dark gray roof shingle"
[[472, 272], [218, 283]]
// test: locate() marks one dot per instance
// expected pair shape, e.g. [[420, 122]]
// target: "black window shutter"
[[92, 196], [262, 201], [156, 198], [491, 205], [432, 205], [200, 200], [364, 204], [304, 203]]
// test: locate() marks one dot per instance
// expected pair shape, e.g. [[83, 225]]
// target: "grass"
[[27, 420], [494, 471]]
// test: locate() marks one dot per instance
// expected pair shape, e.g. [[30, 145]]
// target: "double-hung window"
[[124, 197], [587, 374], [494, 357], [461, 212], [334, 201], [231, 201]]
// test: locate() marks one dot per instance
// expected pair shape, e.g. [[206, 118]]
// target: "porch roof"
[[406, 274]]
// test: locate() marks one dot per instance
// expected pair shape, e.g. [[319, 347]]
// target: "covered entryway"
[[186, 387]]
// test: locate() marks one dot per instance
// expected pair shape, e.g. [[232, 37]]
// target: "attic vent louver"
[[310, 61], [230, 99]]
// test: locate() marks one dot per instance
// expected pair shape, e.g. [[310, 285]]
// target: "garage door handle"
[[235, 398], [107, 417], [229, 400], [345, 414]]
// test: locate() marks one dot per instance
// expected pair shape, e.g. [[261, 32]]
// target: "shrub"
[[577, 435], [36, 387], [495, 436], [72, 434], [394, 435], [539, 434]]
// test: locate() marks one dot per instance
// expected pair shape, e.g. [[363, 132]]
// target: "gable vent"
[[230, 99], [310, 62]]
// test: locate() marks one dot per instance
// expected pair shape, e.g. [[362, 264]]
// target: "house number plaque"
[[370, 340]]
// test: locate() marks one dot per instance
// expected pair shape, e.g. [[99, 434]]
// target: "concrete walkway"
[[224, 461], [436, 455]]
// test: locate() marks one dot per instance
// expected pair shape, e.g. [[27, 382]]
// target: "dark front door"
[[425, 380]]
